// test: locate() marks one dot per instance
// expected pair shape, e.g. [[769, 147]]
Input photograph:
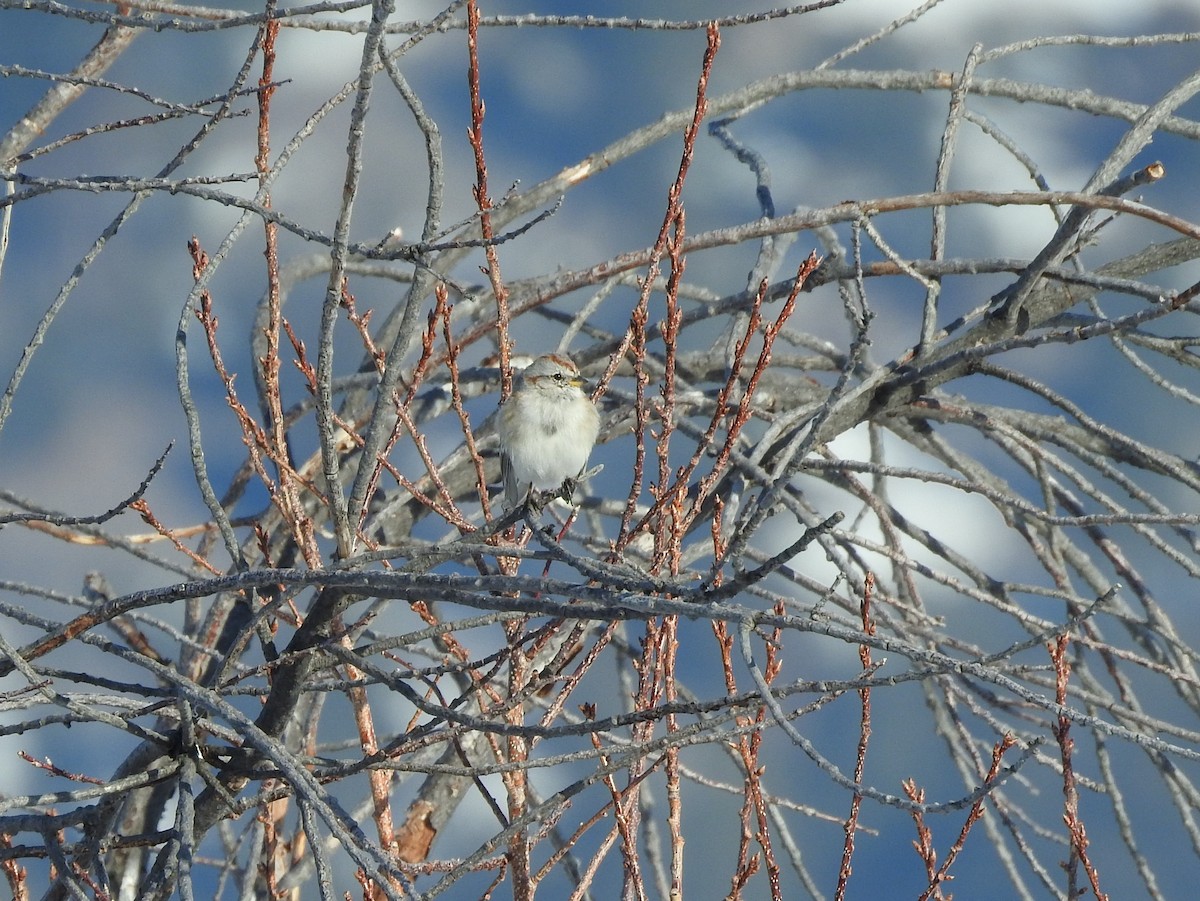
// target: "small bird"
[[547, 429]]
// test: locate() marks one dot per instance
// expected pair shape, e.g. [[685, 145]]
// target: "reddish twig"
[[864, 737], [456, 401], [936, 876], [58, 771], [379, 780], [670, 653], [484, 202], [668, 536], [625, 811], [270, 815], [14, 874], [361, 324], [754, 801], [741, 415], [973, 816], [447, 509], [635, 339], [258, 443], [571, 682], [428, 339], [635, 335], [738, 417], [516, 781], [148, 517], [924, 841], [275, 441], [1066, 745]]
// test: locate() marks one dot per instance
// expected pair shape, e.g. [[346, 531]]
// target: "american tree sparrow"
[[547, 429]]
